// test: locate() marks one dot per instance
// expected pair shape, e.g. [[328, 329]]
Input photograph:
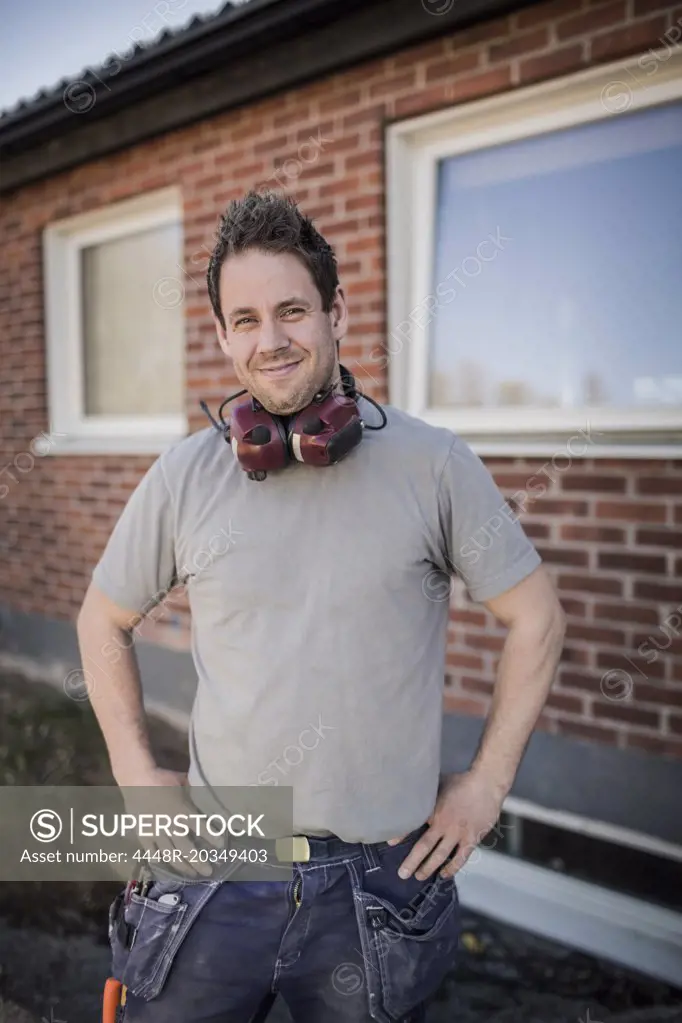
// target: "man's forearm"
[[116, 695], [525, 675]]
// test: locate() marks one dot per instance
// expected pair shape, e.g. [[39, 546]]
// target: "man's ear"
[[221, 335], [339, 316]]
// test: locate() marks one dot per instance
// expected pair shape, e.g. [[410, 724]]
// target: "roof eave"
[[282, 44]]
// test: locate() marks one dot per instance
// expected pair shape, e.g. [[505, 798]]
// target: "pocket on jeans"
[[412, 930], [144, 936]]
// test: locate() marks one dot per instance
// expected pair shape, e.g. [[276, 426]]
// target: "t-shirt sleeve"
[[480, 537], [137, 568]]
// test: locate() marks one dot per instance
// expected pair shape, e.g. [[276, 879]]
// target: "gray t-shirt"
[[319, 611]]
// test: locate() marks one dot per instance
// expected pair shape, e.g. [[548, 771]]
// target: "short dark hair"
[[272, 223]]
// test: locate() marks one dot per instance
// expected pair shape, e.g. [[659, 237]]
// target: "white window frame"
[[71, 430], [413, 150]]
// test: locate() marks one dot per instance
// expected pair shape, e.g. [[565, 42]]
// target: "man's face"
[[282, 344]]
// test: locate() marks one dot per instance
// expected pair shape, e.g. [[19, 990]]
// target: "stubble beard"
[[302, 396]]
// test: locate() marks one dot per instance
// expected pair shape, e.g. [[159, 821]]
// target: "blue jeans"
[[344, 941]]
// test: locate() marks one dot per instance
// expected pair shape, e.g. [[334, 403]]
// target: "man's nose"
[[272, 336]]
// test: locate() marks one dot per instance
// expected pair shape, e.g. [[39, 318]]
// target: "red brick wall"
[[611, 531]]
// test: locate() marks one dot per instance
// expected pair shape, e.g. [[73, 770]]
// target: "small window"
[[115, 327]]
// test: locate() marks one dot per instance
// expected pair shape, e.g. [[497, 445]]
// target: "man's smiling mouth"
[[282, 370]]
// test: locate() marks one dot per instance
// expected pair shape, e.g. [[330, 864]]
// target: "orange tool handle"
[[112, 1000]]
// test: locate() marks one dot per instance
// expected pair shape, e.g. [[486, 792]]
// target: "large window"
[[539, 292], [115, 327]]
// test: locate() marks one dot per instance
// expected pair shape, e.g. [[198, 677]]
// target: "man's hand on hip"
[[467, 807]]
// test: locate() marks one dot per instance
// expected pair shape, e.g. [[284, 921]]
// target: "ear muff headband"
[[322, 433]]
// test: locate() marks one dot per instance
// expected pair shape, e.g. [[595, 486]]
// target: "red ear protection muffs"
[[320, 434]]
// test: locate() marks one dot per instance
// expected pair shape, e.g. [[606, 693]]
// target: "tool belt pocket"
[[411, 932], [145, 935]]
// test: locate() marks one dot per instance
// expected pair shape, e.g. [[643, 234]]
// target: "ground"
[[53, 952]]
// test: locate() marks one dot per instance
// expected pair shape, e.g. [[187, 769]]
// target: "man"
[[317, 619]]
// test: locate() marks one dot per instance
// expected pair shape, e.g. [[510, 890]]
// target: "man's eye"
[[296, 310], [243, 319]]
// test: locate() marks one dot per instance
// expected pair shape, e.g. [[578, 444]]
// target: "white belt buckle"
[[295, 848]]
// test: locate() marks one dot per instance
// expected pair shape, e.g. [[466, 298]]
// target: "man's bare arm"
[[116, 695], [536, 622], [468, 804]]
